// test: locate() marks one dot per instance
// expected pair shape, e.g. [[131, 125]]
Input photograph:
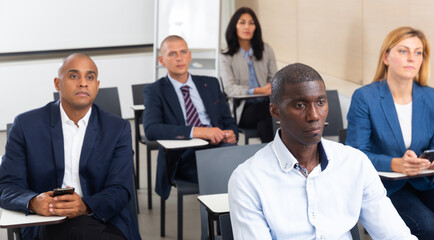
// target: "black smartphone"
[[63, 191], [428, 154]]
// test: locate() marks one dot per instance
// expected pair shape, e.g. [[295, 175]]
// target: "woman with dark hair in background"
[[392, 121], [246, 68]]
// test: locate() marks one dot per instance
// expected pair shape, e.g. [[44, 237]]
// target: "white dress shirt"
[[73, 137], [195, 99], [269, 198], [405, 114]]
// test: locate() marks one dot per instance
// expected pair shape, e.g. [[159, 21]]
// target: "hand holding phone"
[[63, 191], [428, 154]]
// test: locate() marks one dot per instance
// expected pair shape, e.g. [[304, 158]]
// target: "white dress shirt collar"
[[65, 119], [177, 85], [288, 162]]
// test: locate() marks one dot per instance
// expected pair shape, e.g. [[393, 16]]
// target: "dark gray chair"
[[214, 168], [342, 133], [226, 227], [107, 99], [141, 138], [8, 128], [183, 188], [334, 118]]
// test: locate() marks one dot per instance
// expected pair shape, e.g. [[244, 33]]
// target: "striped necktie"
[[191, 112]]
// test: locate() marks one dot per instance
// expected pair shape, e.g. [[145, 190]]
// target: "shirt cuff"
[[251, 91], [191, 132]]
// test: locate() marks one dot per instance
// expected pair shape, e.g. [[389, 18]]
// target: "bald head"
[[168, 39], [73, 57]]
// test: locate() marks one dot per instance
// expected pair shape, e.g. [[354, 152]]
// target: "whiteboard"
[[197, 21], [45, 25]]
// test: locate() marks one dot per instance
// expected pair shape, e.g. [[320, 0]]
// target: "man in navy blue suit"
[[173, 101], [71, 143]]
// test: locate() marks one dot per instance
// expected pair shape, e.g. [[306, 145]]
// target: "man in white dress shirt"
[[301, 186]]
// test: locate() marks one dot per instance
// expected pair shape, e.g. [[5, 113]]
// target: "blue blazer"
[[373, 127], [34, 163], [163, 118]]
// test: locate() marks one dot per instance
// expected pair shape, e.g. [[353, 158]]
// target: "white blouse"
[[404, 116]]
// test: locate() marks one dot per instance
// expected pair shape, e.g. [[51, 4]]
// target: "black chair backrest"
[[107, 99], [342, 135], [8, 128], [222, 87], [334, 118], [138, 93], [215, 166]]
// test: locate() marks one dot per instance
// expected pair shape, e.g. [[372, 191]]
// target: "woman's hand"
[[263, 90], [409, 164]]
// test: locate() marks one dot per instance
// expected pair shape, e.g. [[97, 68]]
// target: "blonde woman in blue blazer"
[[392, 121]]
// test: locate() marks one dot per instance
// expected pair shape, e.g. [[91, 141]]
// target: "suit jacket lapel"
[[205, 96], [92, 131], [168, 93], [57, 142], [419, 113], [390, 114]]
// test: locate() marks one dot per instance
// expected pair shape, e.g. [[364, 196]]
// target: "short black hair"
[[291, 74]]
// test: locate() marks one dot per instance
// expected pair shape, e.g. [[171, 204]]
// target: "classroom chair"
[[140, 137], [214, 168]]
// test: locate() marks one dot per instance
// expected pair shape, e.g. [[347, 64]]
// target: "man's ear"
[[274, 110], [56, 83], [160, 59]]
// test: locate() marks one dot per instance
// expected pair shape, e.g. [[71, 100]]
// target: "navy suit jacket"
[[163, 118], [373, 127], [34, 163]]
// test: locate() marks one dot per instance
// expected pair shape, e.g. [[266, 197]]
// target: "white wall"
[[41, 25], [28, 84]]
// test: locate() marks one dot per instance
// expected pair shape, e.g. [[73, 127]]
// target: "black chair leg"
[[136, 175], [14, 233], [149, 172], [180, 211], [137, 165], [163, 217]]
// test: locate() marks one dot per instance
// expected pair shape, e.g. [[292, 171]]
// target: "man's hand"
[[39, 204], [431, 167], [69, 205], [263, 90], [214, 135], [410, 164], [229, 137]]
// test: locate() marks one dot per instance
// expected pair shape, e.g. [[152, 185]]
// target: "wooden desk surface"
[[216, 203], [14, 219]]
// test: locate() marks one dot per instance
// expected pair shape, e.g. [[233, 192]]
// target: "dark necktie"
[[191, 112]]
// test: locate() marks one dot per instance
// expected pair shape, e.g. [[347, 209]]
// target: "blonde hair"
[[393, 38]]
